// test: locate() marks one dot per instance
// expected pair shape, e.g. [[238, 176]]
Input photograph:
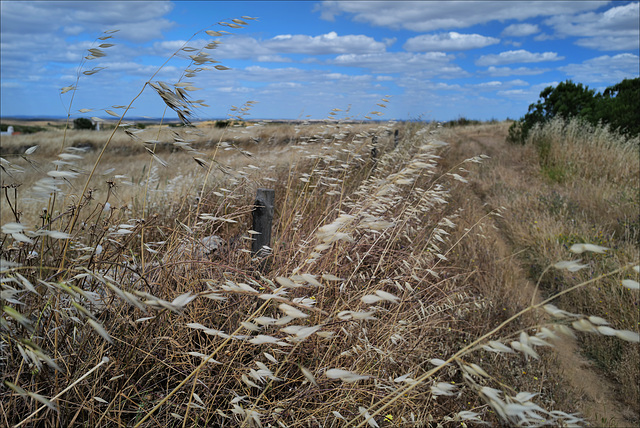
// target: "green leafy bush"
[[83, 123], [618, 106]]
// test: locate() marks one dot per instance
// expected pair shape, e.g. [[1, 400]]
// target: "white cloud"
[[515, 93], [73, 30], [329, 43], [606, 69], [496, 84], [451, 41], [520, 71], [166, 48], [528, 94], [510, 57], [34, 34], [284, 85], [430, 64], [615, 29], [272, 58], [388, 41], [324, 44], [416, 83], [520, 30], [512, 43], [429, 16], [138, 20], [492, 84], [543, 36], [11, 85], [610, 43]]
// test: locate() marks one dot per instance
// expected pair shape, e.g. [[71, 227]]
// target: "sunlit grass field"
[[417, 274]]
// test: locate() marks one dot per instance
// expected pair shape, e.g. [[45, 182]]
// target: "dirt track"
[[501, 180]]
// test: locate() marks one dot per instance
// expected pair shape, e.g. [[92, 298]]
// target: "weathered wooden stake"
[[262, 219], [395, 139], [374, 148]]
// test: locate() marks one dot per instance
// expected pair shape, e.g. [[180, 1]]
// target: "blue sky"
[[298, 59]]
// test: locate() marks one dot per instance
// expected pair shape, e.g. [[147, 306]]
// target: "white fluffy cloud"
[[429, 16], [508, 71], [138, 21], [431, 64], [604, 68], [520, 30], [496, 84], [615, 29], [324, 44], [451, 41], [329, 43], [521, 55], [35, 33]]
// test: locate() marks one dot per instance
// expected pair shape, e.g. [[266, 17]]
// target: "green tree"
[[83, 123], [566, 100], [620, 106]]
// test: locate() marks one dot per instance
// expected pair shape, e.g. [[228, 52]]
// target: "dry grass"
[[387, 297], [594, 202]]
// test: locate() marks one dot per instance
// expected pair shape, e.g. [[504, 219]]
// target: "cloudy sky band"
[[438, 60]]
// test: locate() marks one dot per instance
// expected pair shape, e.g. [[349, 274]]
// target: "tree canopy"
[[83, 123], [618, 106]]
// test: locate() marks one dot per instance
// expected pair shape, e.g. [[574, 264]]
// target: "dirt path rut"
[[509, 172]]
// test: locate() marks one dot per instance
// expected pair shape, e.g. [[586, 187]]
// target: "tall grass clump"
[[147, 308], [596, 153], [596, 201]]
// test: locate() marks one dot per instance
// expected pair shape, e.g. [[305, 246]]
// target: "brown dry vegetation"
[[497, 233], [400, 289], [570, 184]]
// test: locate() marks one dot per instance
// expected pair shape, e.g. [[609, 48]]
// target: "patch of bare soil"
[[507, 173]]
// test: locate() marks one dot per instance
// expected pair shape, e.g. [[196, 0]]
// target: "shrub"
[[23, 129], [618, 106], [83, 123]]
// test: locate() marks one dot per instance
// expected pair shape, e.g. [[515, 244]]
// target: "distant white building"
[[9, 131]]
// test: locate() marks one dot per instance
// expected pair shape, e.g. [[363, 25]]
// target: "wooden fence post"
[[395, 139], [262, 219], [374, 148]]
